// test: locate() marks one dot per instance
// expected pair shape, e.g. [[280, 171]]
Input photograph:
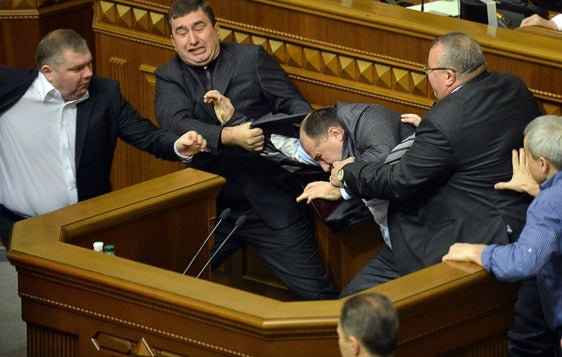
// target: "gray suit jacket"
[[372, 130]]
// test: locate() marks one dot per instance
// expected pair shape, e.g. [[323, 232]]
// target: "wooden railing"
[[77, 302]]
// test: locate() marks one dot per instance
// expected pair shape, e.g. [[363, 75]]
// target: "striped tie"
[[379, 208], [400, 149]]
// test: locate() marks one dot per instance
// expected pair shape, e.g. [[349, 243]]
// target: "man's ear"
[[336, 132], [546, 166], [47, 72], [217, 30], [354, 345], [451, 78]]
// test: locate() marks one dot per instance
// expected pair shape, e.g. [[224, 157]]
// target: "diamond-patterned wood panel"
[[322, 64], [351, 70]]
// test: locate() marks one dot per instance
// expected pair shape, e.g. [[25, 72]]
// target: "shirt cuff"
[[183, 158], [558, 21], [344, 194], [485, 257]]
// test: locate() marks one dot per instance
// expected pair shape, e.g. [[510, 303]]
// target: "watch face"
[[340, 175]]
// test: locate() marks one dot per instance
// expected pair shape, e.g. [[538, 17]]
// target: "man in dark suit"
[[58, 130], [442, 190], [201, 77]]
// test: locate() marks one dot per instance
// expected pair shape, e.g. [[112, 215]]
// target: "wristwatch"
[[340, 176]]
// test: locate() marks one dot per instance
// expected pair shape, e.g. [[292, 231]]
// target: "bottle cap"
[[109, 249], [98, 246]]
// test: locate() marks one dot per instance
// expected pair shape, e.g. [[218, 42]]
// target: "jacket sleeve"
[[278, 87], [141, 132], [425, 167]]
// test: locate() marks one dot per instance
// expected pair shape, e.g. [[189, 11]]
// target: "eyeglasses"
[[427, 69]]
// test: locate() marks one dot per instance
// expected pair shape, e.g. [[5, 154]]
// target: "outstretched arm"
[[320, 189]]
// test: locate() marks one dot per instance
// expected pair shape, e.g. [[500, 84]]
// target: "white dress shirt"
[[37, 151]]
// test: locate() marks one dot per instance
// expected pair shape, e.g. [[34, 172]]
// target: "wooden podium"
[[77, 302]]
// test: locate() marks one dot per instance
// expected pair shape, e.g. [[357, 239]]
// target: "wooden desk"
[[80, 303], [542, 31]]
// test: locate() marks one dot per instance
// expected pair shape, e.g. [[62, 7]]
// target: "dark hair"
[[51, 48], [373, 320], [315, 125], [183, 7]]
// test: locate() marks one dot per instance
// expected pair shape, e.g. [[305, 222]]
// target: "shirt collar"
[[46, 90], [557, 177]]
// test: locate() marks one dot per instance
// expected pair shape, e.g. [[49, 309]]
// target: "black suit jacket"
[[101, 119], [256, 85], [442, 191]]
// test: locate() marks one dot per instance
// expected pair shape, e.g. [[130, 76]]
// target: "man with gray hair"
[[538, 251]]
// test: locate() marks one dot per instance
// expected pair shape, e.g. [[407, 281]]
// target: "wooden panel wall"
[[23, 23], [364, 52]]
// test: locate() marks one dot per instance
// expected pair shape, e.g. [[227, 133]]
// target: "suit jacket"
[[100, 120], [371, 130], [256, 85], [441, 191]]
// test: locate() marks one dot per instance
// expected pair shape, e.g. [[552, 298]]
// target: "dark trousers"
[[530, 334], [290, 252], [379, 269], [559, 342], [7, 220]]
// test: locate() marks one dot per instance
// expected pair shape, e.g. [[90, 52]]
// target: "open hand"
[[409, 118], [224, 109], [521, 180], [320, 189]]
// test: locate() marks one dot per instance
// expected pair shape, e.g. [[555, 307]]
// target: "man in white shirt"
[[59, 126]]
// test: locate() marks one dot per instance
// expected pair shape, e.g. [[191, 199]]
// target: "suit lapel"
[[224, 70], [83, 117]]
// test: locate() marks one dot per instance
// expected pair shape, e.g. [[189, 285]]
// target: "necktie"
[[399, 150], [208, 85], [379, 208]]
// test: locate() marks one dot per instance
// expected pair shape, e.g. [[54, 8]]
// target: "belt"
[[12, 216]]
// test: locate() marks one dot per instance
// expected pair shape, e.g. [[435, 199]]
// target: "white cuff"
[[344, 194], [183, 158]]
